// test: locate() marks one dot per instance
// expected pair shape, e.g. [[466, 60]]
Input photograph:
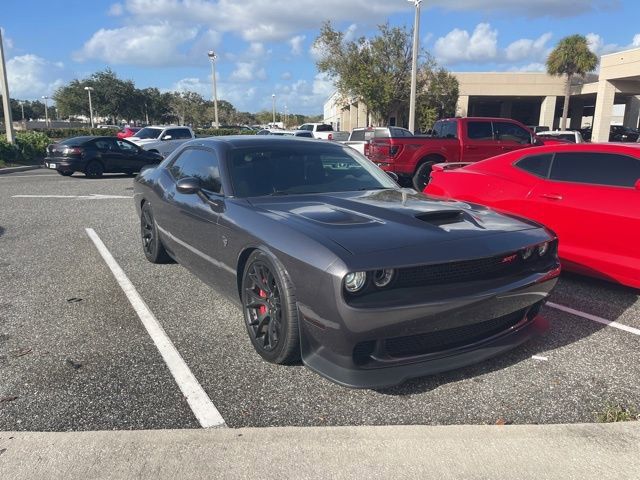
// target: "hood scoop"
[[442, 217]]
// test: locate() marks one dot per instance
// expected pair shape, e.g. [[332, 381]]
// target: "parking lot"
[[74, 354]]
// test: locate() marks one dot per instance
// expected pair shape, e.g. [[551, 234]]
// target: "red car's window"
[[537, 165], [596, 168]]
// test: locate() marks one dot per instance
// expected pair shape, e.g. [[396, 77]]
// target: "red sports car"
[[127, 132], [589, 194]]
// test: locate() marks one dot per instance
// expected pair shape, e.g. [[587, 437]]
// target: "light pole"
[[22, 109], [414, 66], [273, 108], [212, 56], [89, 90], [285, 116], [6, 98], [46, 110]]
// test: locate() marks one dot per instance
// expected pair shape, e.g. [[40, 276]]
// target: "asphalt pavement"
[[74, 354]]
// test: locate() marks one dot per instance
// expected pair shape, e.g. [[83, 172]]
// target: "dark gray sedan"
[[368, 283]]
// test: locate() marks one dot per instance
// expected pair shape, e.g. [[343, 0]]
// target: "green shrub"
[[77, 132], [8, 152], [29, 148]]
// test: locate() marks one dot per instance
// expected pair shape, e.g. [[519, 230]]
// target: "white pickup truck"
[[162, 140], [361, 137], [318, 130]]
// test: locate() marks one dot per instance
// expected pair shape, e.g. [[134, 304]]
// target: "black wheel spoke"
[[262, 305]]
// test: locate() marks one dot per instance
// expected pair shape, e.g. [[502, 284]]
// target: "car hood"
[[366, 222], [142, 141]]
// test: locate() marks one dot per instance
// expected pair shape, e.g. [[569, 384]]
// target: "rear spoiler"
[[439, 167]]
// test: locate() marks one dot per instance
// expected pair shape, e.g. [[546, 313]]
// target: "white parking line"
[[594, 318], [200, 403], [7, 176]]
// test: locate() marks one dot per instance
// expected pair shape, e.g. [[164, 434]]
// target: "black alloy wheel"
[[269, 310], [151, 244], [94, 169], [421, 177]]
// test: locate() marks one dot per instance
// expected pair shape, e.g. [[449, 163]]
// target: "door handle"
[[471, 147], [551, 196]]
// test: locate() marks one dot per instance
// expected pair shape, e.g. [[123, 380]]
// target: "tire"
[[269, 308], [65, 174], [94, 169], [421, 177], [151, 244]]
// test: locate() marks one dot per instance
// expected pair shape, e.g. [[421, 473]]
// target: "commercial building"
[[598, 101]]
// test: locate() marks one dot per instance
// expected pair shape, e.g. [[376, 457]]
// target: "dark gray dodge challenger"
[[332, 262]]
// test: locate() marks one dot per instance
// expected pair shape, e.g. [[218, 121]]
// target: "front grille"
[[442, 340], [466, 271]]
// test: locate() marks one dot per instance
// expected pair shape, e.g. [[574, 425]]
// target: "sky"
[[264, 47]]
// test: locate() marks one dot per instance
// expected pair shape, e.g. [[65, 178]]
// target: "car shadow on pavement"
[[569, 330]]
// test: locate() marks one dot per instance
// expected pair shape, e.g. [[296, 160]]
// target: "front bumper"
[[383, 347]]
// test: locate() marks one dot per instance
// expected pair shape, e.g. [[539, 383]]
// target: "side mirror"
[[188, 185], [394, 176], [167, 137], [637, 184]]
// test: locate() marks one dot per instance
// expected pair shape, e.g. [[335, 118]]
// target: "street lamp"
[[46, 110], [212, 56], [273, 108], [414, 66], [22, 109], [285, 116], [89, 90]]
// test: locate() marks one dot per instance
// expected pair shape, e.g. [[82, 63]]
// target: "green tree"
[[571, 57], [377, 71], [437, 99]]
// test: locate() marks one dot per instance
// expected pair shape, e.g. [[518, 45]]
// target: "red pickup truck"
[[452, 140]]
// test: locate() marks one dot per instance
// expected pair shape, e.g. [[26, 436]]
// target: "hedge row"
[[76, 132], [30, 148], [216, 132]]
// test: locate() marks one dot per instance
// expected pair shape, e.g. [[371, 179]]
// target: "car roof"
[[236, 141]]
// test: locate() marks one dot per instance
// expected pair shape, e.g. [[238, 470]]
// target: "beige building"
[[597, 101]]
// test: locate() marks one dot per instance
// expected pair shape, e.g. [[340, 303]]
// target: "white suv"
[[162, 140]]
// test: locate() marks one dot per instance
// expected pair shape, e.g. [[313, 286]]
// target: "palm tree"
[[571, 57]]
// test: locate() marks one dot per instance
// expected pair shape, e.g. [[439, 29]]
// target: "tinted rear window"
[[357, 136], [480, 130], [537, 165], [596, 168], [324, 128]]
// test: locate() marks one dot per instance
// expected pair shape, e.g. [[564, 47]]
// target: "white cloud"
[[286, 76], [147, 45], [538, 8], [459, 46], [31, 76], [526, 48], [531, 67], [240, 96], [259, 20], [598, 46], [116, 10], [247, 72], [296, 44]]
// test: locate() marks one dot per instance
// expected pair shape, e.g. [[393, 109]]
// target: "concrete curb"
[[19, 169], [594, 451]]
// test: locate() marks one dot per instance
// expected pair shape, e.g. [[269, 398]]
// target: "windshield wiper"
[[278, 193]]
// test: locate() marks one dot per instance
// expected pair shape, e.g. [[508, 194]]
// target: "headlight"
[[526, 253], [543, 248], [382, 278], [355, 281]]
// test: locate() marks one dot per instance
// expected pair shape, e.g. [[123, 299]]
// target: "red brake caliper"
[[263, 308]]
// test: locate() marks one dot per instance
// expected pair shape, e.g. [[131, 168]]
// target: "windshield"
[[148, 132], [288, 170]]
